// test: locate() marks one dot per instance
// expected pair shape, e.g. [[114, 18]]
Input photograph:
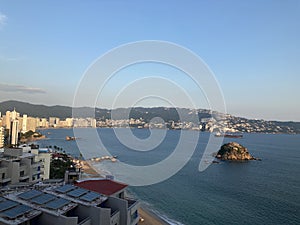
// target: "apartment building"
[[42, 156], [16, 167], [65, 204], [116, 198], [2, 131]]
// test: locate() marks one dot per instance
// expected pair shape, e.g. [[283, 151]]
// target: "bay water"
[[254, 192]]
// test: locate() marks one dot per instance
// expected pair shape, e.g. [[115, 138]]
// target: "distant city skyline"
[[252, 47]]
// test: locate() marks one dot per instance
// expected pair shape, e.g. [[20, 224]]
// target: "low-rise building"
[[42, 156], [116, 198], [65, 204], [16, 167]]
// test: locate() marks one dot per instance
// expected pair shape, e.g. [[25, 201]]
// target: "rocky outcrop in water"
[[234, 151]]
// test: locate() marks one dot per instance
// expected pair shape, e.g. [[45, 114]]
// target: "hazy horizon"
[[158, 106]]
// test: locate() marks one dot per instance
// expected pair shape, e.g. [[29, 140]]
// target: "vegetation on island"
[[30, 136], [234, 152]]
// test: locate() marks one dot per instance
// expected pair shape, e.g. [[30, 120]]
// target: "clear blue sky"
[[253, 47]]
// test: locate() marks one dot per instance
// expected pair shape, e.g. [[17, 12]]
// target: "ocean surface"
[[255, 192]]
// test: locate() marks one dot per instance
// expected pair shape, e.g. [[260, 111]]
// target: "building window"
[[134, 216], [3, 175], [22, 173]]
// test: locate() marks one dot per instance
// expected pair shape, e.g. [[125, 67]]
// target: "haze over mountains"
[[167, 114]]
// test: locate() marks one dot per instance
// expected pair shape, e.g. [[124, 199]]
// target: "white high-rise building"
[[14, 132], [7, 119], [52, 121], [14, 114], [1, 137], [24, 124], [69, 122], [31, 124]]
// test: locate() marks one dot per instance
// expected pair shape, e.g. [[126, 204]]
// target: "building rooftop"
[[103, 186], [12, 212], [77, 194], [43, 201], [18, 207]]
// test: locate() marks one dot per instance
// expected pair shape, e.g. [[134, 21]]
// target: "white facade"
[[1, 137], [31, 124], [24, 124], [52, 121], [7, 120], [16, 166], [42, 156], [14, 132], [14, 115], [69, 122]]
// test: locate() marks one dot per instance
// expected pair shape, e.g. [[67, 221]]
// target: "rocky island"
[[31, 136], [234, 152]]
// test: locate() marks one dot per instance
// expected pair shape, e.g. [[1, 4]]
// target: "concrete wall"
[[13, 171], [105, 216], [49, 219], [46, 159], [13, 152], [15, 166], [121, 205], [131, 212], [115, 219], [88, 221], [82, 212]]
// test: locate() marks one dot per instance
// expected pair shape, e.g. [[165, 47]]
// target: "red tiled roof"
[[106, 187]]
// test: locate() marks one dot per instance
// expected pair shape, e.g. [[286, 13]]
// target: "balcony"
[[25, 177], [115, 217], [133, 206], [3, 169], [23, 167], [36, 172], [131, 202], [5, 180], [85, 221], [35, 165]]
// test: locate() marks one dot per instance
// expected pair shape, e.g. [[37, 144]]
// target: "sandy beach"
[[88, 171], [147, 217], [150, 218]]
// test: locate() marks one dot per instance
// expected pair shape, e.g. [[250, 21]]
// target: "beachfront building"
[[24, 124], [2, 131], [31, 124], [14, 133], [42, 156], [116, 199], [64, 204], [17, 167], [52, 121], [72, 174]]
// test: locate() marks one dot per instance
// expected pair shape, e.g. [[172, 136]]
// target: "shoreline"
[[189, 129], [147, 215], [150, 218]]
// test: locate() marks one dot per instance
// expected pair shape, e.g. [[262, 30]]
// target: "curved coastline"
[[149, 216]]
